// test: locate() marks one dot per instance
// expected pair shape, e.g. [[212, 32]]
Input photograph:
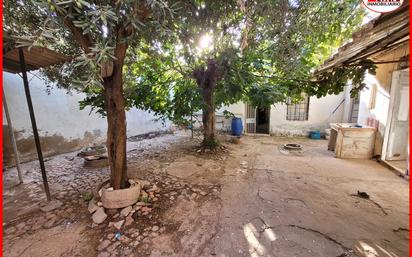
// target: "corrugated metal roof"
[[384, 32], [35, 58]]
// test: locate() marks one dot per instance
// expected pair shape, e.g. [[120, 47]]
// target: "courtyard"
[[253, 198]]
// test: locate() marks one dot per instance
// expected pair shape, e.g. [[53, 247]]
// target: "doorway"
[[397, 133], [262, 120]]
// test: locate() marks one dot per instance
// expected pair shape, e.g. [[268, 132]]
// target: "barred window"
[[298, 111]]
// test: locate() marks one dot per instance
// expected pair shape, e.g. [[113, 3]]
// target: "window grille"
[[298, 111]]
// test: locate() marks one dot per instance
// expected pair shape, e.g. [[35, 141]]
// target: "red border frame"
[[1, 130], [403, 1], [410, 139]]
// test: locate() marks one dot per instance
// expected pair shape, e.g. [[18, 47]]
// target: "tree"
[[98, 34], [262, 52]]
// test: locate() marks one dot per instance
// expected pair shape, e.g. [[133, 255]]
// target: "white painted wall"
[[383, 81], [320, 115], [58, 114]]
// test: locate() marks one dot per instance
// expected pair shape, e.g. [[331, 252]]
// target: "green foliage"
[[89, 31], [333, 81], [266, 50]]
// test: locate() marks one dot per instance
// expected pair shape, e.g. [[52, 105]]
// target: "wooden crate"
[[353, 143]]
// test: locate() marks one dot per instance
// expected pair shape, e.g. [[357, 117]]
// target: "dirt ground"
[[248, 199]]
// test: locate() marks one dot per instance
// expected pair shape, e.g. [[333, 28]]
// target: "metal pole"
[[13, 140], [33, 123]]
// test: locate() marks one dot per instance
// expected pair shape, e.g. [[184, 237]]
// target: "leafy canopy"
[[266, 50]]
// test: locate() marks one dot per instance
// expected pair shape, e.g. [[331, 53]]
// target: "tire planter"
[[114, 199], [295, 147], [94, 150], [95, 161]]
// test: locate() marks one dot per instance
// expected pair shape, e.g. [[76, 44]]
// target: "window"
[[298, 111]]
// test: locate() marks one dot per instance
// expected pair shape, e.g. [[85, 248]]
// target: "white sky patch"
[[294, 3], [105, 31], [369, 16], [205, 43]]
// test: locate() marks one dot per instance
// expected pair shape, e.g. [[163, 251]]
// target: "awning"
[[17, 60], [387, 31], [35, 58]]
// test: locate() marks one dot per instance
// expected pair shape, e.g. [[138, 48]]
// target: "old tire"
[[114, 199], [95, 161]]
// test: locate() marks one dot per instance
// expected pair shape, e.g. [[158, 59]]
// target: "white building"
[[311, 114], [384, 102]]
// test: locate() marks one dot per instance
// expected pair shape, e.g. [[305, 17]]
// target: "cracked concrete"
[[300, 205]]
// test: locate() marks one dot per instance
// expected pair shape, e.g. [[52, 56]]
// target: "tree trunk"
[[206, 81], [116, 124], [209, 118]]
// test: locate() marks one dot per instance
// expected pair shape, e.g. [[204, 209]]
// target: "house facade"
[[384, 101], [311, 114]]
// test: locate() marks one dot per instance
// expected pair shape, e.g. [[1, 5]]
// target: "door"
[[250, 119], [262, 120], [399, 122]]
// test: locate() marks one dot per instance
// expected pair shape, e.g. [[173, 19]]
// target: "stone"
[[125, 211], [99, 216], [154, 234], [118, 225], [103, 254], [203, 193], [112, 248], [51, 222], [100, 204], [146, 209], [103, 245], [155, 228], [92, 206], [193, 196], [134, 243], [52, 205], [153, 189], [129, 221], [135, 234], [125, 239]]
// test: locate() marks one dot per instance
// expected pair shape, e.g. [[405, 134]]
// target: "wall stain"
[[51, 145]]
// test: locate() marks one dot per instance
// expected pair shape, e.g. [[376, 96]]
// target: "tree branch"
[[84, 40]]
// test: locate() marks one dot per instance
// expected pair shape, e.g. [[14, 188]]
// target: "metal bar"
[[33, 123], [12, 138]]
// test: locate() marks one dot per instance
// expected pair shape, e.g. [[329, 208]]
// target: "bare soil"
[[248, 199]]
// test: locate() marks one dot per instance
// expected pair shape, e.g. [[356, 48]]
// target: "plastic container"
[[237, 126], [314, 134]]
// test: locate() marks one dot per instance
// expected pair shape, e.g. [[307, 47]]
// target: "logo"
[[382, 6]]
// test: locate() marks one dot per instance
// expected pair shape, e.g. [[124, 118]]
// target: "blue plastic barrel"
[[314, 134], [237, 126]]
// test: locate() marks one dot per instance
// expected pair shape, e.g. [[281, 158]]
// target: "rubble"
[[99, 216]]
